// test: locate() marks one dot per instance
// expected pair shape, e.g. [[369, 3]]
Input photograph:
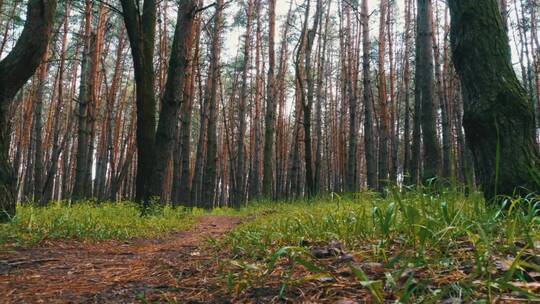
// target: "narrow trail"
[[168, 269]]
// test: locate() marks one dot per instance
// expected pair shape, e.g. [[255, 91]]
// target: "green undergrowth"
[[409, 247], [90, 221], [105, 221]]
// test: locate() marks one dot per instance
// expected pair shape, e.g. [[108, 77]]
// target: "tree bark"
[[211, 97], [405, 94], [371, 158], [15, 69], [239, 182], [141, 29], [37, 131], [384, 137], [182, 188], [173, 97], [424, 89], [85, 98], [348, 73], [498, 117], [270, 116]]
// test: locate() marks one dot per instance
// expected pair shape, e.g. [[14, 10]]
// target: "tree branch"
[[111, 7]]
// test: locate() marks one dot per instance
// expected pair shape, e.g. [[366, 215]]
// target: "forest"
[[269, 151]]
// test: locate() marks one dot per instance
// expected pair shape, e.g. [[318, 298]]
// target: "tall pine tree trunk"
[[173, 97], [141, 29], [405, 94], [384, 138], [238, 186], [369, 134], [85, 98], [271, 103], [424, 89], [211, 97]]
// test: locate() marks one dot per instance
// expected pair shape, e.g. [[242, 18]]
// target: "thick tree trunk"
[[498, 117], [141, 29], [16, 68], [173, 98]]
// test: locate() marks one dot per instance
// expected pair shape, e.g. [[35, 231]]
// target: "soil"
[[179, 268]]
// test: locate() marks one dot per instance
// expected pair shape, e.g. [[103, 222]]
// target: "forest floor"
[[170, 269], [423, 246]]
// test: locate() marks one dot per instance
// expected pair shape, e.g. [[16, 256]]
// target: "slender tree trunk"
[[306, 79], [424, 89], [321, 66], [394, 102], [281, 142], [256, 140], [239, 181], [269, 120], [200, 157], [351, 182], [405, 94], [85, 98], [446, 156], [37, 126], [211, 97], [369, 134], [384, 137]]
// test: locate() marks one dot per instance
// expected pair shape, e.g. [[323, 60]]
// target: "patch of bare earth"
[[174, 268]]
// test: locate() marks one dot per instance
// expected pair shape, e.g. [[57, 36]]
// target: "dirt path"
[[171, 269]]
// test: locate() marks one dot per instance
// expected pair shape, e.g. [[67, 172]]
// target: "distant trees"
[[196, 115], [15, 69]]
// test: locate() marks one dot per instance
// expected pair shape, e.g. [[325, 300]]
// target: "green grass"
[[454, 243], [90, 221], [105, 221], [432, 245]]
